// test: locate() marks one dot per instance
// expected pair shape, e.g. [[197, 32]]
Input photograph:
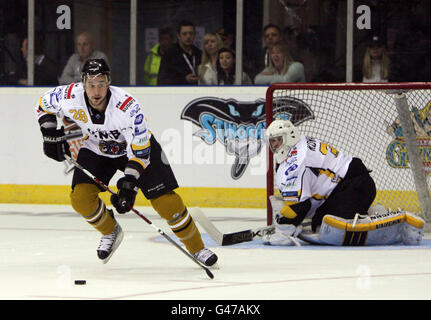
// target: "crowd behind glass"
[[292, 41]]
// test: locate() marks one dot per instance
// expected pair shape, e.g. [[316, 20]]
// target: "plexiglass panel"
[[390, 40]]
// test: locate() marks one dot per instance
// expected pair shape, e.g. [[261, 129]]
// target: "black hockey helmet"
[[94, 67]]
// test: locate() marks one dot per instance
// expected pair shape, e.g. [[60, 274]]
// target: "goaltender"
[[116, 137], [334, 190]]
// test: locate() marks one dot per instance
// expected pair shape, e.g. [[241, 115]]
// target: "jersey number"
[[79, 115], [324, 147]]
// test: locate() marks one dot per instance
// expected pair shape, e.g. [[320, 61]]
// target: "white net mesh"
[[363, 123]]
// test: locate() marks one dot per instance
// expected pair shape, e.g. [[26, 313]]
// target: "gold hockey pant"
[[85, 200]]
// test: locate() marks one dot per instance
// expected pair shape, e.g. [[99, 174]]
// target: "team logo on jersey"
[[396, 152], [112, 147], [239, 125]]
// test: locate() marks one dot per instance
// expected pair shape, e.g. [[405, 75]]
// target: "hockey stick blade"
[[237, 237]]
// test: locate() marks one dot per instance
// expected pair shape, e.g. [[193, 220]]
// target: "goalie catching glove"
[[282, 235], [55, 145], [127, 190]]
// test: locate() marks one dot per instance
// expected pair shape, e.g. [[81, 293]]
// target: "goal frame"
[[328, 86]]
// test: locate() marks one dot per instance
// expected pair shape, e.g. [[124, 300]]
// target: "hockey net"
[[360, 120]]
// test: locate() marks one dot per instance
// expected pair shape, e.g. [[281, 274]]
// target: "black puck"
[[80, 282]]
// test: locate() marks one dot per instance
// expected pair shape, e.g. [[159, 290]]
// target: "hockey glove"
[[55, 145], [127, 190]]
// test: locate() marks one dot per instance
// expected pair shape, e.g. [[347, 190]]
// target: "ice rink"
[[45, 248]]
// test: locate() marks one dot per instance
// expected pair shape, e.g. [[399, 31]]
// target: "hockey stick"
[[160, 231], [223, 239], [228, 239]]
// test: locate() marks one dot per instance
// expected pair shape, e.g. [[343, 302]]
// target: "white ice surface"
[[43, 249]]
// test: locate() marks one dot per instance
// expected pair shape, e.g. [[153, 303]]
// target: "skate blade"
[[214, 266]]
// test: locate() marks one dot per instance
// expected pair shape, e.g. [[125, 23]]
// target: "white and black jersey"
[[116, 139], [316, 179], [312, 170], [120, 130]]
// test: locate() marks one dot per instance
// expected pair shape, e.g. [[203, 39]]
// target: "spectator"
[[179, 65], [271, 34], [207, 69], [45, 69], [375, 67], [281, 67], [154, 57], [85, 47], [227, 37], [226, 68]]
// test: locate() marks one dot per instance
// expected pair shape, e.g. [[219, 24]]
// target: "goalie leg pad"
[[170, 207], [85, 200], [277, 204], [413, 231], [384, 229]]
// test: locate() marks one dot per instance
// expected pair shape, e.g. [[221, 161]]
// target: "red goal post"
[[362, 120]]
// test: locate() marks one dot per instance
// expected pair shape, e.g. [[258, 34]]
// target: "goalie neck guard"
[[289, 136]]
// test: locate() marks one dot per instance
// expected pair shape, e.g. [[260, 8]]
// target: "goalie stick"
[[223, 239], [160, 231], [228, 239]]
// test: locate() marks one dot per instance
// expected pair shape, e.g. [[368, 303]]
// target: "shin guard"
[[85, 200], [170, 206]]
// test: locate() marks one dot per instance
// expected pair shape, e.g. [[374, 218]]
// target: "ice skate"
[[206, 257], [109, 243]]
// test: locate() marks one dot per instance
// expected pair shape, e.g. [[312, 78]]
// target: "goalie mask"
[[282, 135]]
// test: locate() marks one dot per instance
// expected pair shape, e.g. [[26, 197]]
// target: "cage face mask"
[[281, 136]]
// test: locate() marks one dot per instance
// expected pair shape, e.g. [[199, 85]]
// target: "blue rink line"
[[257, 244]]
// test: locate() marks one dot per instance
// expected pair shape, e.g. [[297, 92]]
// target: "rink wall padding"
[[201, 197]]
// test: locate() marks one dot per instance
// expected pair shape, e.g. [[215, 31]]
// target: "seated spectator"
[[226, 68], [179, 65], [207, 69], [375, 67], [228, 38], [45, 69], [271, 35], [85, 47], [281, 67], [154, 57]]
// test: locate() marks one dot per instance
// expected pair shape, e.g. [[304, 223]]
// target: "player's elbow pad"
[[142, 153], [139, 162]]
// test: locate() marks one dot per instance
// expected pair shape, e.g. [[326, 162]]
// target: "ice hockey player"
[[116, 137], [334, 190]]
